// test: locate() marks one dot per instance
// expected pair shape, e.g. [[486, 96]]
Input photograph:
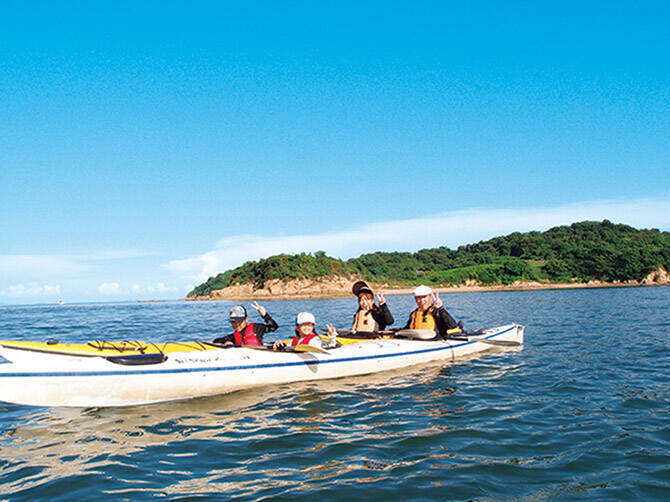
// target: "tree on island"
[[581, 252]]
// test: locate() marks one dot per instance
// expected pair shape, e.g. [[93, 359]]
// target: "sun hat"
[[238, 313], [304, 317], [423, 291], [361, 287]]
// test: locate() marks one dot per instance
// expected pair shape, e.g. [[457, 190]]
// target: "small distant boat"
[[61, 302], [101, 374]]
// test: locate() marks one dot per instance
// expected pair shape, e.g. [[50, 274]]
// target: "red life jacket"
[[296, 339], [248, 337]]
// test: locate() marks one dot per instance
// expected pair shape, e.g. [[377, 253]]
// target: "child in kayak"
[[247, 333], [430, 313], [370, 317], [305, 333]]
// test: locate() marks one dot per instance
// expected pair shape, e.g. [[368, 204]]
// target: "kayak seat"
[[137, 359]]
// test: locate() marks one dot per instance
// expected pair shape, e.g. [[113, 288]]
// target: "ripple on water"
[[581, 412]]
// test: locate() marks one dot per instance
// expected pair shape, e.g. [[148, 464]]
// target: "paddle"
[[301, 347], [417, 334], [472, 337], [304, 347], [364, 334], [501, 343]]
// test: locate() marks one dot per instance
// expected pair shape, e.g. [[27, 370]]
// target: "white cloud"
[[109, 288], [158, 288], [162, 288], [450, 229], [31, 289], [38, 265], [51, 290]]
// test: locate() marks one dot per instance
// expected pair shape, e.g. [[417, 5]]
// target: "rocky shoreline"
[[340, 286]]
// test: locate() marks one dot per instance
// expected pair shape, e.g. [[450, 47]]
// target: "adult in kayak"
[[247, 333], [370, 316], [305, 333], [430, 313]]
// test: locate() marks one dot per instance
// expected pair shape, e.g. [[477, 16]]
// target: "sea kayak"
[[103, 374]]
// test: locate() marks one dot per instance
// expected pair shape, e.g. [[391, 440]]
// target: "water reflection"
[[317, 422], [47, 444], [581, 410]]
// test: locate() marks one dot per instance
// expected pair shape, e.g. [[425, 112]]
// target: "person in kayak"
[[305, 333], [247, 333], [370, 317], [430, 313]]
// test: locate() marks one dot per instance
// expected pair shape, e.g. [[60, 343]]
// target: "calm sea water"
[[583, 411]]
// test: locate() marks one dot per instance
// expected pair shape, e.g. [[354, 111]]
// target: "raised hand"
[[380, 298], [259, 308], [437, 301], [332, 337]]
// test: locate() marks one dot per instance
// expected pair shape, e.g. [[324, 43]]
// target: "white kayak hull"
[[57, 380]]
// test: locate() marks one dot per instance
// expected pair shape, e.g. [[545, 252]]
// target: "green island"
[[583, 252]]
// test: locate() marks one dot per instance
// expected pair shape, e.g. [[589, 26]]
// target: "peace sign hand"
[[380, 298], [259, 308], [437, 301]]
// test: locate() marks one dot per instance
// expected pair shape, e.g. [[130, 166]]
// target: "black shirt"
[[259, 330]]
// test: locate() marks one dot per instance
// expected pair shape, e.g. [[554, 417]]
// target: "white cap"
[[304, 317], [423, 291]]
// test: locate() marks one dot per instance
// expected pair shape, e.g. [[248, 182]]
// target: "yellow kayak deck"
[[106, 348]]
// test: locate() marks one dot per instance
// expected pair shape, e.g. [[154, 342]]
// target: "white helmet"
[[423, 291], [304, 317]]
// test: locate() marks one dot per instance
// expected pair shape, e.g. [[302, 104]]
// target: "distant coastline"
[[289, 290], [582, 255]]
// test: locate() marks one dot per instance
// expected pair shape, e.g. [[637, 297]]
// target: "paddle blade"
[[303, 347], [418, 334], [500, 343]]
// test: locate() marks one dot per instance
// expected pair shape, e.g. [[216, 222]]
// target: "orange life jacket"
[[422, 320]]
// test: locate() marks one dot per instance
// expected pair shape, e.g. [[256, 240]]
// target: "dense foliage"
[[580, 252], [281, 266]]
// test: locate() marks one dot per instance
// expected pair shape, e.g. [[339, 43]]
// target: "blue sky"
[[147, 145]]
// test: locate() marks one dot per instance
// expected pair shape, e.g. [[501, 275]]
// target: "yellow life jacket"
[[422, 320], [363, 321]]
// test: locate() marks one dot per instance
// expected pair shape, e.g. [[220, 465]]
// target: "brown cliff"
[[340, 286]]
